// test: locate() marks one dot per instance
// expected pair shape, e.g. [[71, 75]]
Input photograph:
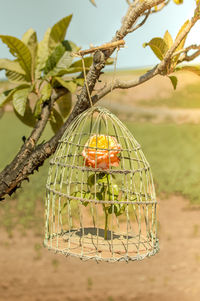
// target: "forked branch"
[[185, 57], [161, 68]]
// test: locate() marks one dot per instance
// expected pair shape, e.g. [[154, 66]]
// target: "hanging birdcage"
[[100, 201]]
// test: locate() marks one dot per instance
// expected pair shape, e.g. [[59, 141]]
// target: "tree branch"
[[141, 23], [136, 10], [128, 2], [9, 176], [188, 58], [119, 84], [161, 68], [160, 7], [101, 48], [185, 56]]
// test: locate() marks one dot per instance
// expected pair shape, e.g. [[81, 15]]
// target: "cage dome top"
[[100, 200]]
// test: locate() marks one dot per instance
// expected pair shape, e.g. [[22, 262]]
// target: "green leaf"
[[70, 85], [65, 104], [64, 205], [46, 91], [181, 45], [42, 54], [59, 56], [87, 61], [56, 121], [77, 194], [99, 196], [174, 81], [15, 77], [62, 65], [21, 51], [104, 178], [28, 118], [91, 180], [79, 81], [7, 96], [58, 32], [69, 70], [38, 108], [30, 39], [54, 58], [20, 98], [168, 39], [86, 195], [158, 46], [118, 209], [70, 46], [110, 209], [11, 66], [182, 29], [115, 189]]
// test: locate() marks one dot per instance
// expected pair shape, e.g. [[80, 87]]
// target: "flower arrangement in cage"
[[103, 152], [100, 200]]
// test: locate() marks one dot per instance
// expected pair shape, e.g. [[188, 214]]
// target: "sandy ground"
[[31, 273]]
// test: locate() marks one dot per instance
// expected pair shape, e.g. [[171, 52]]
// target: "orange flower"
[[101, 152]]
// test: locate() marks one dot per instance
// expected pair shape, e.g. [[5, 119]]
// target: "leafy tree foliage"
[[38, 68]]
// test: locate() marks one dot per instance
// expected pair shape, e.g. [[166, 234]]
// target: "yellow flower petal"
[[102, 142]]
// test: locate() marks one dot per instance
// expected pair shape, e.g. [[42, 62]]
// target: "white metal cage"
[[100, 197]]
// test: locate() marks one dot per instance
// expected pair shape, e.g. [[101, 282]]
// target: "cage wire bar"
[[104, 213]]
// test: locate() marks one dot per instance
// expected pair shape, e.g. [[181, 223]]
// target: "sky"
[[95, 25]]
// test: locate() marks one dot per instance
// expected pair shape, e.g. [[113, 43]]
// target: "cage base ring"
[[93, 246]]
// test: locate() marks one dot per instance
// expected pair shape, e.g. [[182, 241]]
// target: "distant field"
[[172, 150], [158, 92], [188, 98]]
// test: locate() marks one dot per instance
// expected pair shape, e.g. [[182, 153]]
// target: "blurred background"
[[167, 125]]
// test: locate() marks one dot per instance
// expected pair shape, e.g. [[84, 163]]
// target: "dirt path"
[[31, 273]]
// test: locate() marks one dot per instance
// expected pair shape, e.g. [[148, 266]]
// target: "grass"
[[172, 150], [187, 98], [127, 72], [26, 212]]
